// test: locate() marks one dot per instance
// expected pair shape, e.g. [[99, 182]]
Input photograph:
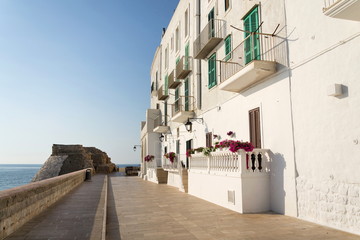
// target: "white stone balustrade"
[[227, 163], [167, 165]]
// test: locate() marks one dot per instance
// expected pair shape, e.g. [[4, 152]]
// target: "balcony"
[[173, 82], [182, 109], [213, 33], [251, 62], [183, 67], [162, 93], [344, 9], [239, 181], [160, 125]]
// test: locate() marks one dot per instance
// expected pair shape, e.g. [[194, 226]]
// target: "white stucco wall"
[[326, 128]]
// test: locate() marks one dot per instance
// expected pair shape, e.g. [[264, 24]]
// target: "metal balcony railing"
[[253, 47], [162, 93], [184, 67], [209, 38], [173, 82], [161, 120], [183, 104]]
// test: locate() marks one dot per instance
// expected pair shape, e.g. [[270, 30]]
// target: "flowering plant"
[[234, 146], [148, 158], [171, 156], [230, 133]]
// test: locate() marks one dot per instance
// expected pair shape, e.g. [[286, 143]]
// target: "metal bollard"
[[88, 175]]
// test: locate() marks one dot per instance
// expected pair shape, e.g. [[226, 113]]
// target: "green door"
[[186, 92], [211, 17], [252, 43], [186, 60], [212, 70]]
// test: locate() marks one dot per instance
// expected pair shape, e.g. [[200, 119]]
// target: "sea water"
[[14, 175]]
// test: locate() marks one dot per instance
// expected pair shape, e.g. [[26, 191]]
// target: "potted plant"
[[171, 156], [148, 158]]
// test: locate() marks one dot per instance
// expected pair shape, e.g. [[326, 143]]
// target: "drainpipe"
[[198, 65]]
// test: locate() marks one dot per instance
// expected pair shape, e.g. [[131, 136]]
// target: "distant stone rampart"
[[69, 158], [19, 205]]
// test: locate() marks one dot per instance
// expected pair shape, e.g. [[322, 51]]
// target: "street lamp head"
[[161, 138], [188, 126]]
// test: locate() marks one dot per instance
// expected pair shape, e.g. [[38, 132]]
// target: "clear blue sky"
[[76, 72]]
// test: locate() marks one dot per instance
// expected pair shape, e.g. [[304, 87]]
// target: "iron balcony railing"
[[184, 67], [161, 120], [183, 104], [253, 47], [173, 82], [162, 93], [209, 38]]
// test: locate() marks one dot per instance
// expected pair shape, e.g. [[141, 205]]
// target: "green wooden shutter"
[[177, 103], [165, 113], [186, 92], [227, 48], [252, 44], [186, 64], [211, 17], [212, 70], [166, 85]]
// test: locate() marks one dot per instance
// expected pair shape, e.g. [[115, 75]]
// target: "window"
[[186, 23], [177, 40], [209, 139], [166, 58], [227, 5], [254, 125], [186, 93], [177, 101], [165, 114], [186, 63], [252, 43], [156, 81], [172, 42], [212, 71], [211, 17], [177, 146], [227, 48]]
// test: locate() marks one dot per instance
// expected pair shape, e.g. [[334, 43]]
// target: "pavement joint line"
[[103, 233]]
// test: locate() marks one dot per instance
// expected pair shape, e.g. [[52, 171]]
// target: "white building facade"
[[279, 74]]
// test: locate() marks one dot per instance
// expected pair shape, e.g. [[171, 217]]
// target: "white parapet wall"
[[174, 179], [227, 179]]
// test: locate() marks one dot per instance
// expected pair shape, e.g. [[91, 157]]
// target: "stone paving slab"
[[78, 215], [138, 209]]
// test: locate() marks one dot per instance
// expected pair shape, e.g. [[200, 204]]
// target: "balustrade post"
[[208, 164], [242, 161]]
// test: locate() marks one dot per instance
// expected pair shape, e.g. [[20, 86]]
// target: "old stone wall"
[[330, 202], [69, 158], [19, 205]]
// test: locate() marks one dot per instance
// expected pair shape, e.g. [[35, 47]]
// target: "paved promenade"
[[144, 210], [79, 215], [138, 209]]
